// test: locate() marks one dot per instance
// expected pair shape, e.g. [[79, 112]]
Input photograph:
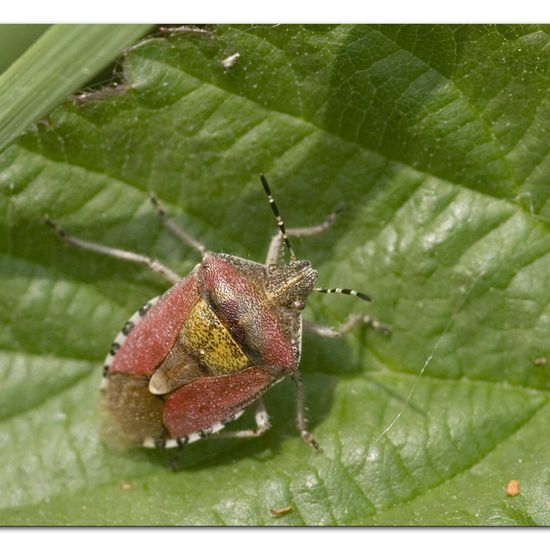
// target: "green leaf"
[[436, 137]]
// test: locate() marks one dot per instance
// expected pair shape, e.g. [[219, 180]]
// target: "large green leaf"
[[436, 137]]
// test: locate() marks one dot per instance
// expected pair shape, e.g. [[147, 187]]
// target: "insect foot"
[[308, 438]]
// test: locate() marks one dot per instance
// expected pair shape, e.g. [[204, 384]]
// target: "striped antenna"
[[280, 222], [344, 291]]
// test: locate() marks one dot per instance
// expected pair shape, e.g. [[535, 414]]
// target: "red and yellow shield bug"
[[190, 361]]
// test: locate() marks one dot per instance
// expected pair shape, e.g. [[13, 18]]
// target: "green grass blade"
[[62, 60], [15, 40]]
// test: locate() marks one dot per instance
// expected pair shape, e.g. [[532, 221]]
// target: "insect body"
[[190, 361]]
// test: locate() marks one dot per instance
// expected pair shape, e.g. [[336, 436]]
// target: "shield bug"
[[192, 360]]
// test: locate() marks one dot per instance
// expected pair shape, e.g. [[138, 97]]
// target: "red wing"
[[153, 338], [201, 403]]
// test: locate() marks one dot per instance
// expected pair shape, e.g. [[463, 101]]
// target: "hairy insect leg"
[[276, 243], [151, 263], [175, 229], [262, 425], [352, 320], [185, 29], [301, 420]]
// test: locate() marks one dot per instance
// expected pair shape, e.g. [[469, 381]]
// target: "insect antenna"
[[348, 291], [277, 215]]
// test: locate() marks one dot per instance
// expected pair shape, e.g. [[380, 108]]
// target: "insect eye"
[[298, 304], [271, 268]]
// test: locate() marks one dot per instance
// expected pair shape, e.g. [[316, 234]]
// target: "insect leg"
[[262, 424], [276, 243], [174, 228], [353, 320], [301, 421], [126, 255], [185, 29]]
